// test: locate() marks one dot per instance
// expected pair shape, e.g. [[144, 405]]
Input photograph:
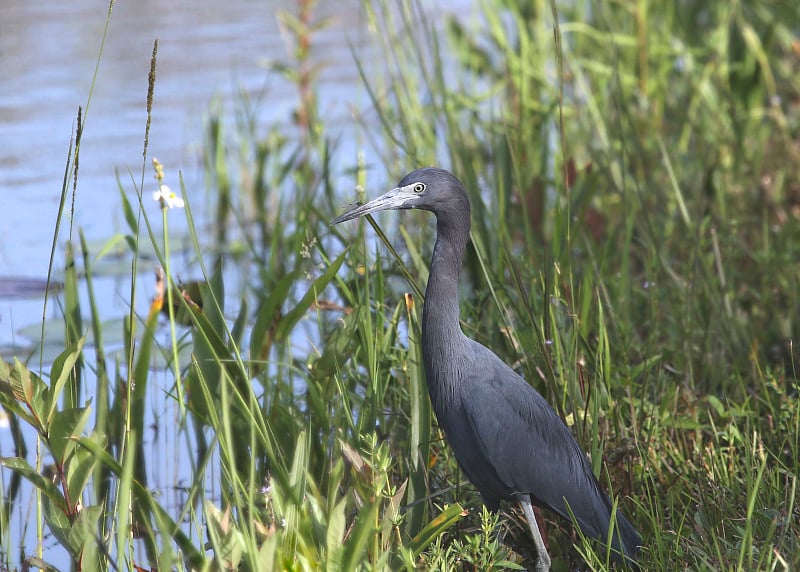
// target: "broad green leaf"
[[79, 466], [44, 485], [30, 389], [11, 395], [13, 407], [66, 426], [59, 523], [84, 536]]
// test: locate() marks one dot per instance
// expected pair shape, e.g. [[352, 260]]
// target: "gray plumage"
[[505, 436]]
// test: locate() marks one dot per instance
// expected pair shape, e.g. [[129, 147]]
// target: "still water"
[[48, 55], [206, 49]]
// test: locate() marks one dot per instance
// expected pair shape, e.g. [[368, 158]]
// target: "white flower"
[[167, 198]]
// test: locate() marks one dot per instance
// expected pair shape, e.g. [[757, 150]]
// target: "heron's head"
[[430, 188]]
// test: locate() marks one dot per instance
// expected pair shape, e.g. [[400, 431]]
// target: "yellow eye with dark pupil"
[[419, 187]]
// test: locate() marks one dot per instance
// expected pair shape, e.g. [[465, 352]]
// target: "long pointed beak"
[[397, 198]]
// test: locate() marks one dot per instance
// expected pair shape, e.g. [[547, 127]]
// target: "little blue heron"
[[506, 437]]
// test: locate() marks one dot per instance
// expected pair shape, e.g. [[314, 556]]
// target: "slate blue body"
[[506, 437]]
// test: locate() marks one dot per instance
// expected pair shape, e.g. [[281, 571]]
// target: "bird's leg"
[[542, 558]]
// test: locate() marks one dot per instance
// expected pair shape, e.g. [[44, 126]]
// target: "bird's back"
[[509, 441]]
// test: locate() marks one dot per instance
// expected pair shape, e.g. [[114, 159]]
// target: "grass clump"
[[636, 216]]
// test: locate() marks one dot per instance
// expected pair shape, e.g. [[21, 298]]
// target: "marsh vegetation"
[[634, 171]]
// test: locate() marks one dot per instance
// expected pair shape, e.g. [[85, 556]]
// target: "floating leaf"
[[9, 351]]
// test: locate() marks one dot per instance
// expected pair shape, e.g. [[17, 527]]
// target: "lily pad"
[[10, 351], [53, 329], [32, 355], [55, 334]]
